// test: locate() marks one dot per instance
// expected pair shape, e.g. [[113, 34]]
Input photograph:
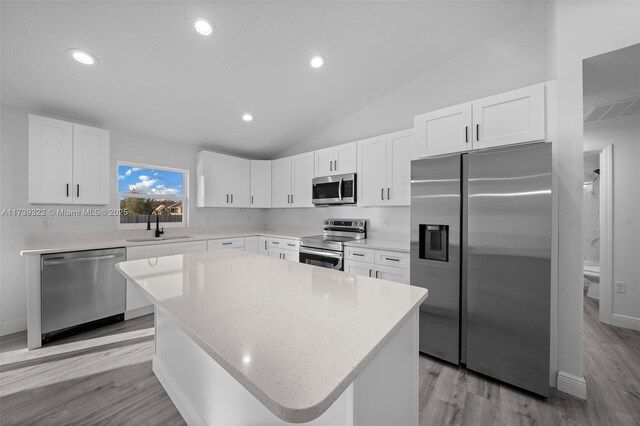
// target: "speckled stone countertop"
[[294, 335], [59, 244]]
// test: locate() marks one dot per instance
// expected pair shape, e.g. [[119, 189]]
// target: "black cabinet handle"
[[388, 192], [227, 198], [335, 165], [330, 166], [377, 274], [466, 134], [231, 198], [226, 244], [265, 244], [478, 132], [358, 254], [392, 259], [370, 272], [252, 199], [291, 198], [77, 190], [382, 194], [67, 190]]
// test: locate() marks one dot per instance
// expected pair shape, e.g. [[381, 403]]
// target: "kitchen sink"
[[145, 240]]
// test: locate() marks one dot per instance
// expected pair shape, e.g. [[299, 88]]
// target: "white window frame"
[[184, 197]]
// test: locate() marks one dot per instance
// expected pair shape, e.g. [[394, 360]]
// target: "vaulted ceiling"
[[157, 76]]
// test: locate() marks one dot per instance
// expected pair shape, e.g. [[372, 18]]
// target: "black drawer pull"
[[357, 254], [226, 244], [393, 259]]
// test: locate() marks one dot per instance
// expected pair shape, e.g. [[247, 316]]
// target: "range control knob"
[[331, 223]]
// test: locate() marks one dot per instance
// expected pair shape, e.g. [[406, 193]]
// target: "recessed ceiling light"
[[247, 117], [317, 61], [204, 26], [83, 57]]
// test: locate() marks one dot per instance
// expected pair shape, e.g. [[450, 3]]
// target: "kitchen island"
[[249, 339]]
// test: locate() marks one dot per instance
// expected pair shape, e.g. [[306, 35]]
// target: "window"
[[143, 189]]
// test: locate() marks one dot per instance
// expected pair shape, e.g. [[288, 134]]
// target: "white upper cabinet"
[[509, 118], [372, 166], [260, 183], [281, 182], [444, 131], [400, 149], [301, 180], [68, 163], [223, 180], [91, 175], [336, 160], [384, 169]]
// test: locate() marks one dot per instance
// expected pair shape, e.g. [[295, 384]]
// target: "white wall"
[[624, 134], [583, 29], [15, 230], [520, 56]]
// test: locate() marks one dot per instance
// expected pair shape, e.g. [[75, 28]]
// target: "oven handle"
[[331, 254]]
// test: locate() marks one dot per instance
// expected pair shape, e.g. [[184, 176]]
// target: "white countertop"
[[372, 243], [293, 335], [77, 243]]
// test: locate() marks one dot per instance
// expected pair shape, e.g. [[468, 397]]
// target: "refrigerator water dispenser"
[[434, 242]]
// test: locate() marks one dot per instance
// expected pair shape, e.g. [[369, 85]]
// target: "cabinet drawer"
[[284, 244], [228, 243], [392, 258], [359, 254], [188, 247], [360, 268]]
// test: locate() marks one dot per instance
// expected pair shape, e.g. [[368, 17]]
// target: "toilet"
[[592, 280]]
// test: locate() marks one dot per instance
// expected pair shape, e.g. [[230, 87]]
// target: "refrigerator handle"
[[464, 256]]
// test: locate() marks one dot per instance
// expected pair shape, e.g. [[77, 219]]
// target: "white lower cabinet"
[[284, 248], [383, 264], [225, 244], [188, 247], [252, 244], [135, 299], [263, 245]]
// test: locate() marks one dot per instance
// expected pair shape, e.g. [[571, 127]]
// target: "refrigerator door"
[[435, 252], [509, 265]]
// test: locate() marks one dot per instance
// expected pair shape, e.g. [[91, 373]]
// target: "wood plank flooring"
[[104, 377]]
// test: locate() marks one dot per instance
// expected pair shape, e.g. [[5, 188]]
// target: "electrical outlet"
[[385, 221], [621, 287]]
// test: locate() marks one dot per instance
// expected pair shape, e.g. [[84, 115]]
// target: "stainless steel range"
[[327, 250]]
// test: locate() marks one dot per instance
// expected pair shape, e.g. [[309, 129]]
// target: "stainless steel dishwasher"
[[81, 290]]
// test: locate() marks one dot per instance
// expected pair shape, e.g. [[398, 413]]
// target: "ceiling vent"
[[623, 108]]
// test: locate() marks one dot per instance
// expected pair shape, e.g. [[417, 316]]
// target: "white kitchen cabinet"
[[68, 163], [188, 247], [284, 248], [281, 182], [135, 299], [513, 117], [291, 181], [444, 131], [384, 169], [510, 118], [226, 244], [301, 180], [336, 160], [252, 244], [223, 180], [263, 245], [260, 183], [376, 264]]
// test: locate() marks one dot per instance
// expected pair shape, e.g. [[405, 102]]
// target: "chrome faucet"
[[158, 230]]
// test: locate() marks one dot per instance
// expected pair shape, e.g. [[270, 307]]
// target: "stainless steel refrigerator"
[[481, 244]]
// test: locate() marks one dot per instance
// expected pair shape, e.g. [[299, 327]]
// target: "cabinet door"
[[135, 297], [291, 255], [359, 268], [90, 165], [345, 158], [252, 244], [260, 183], [302, 177], [188, 247], [390, 273], [279, 253], [213, 176], [263, 245], [512, 117], [281, 182], [444, 131], [239, 182], [324, 162], [400, 146], [50, 160], [372, 166]]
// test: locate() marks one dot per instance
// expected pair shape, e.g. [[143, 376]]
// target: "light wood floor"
[[105, 377]]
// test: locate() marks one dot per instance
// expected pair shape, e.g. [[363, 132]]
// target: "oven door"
[[323, 258]]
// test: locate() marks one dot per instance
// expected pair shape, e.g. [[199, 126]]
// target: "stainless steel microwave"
[[333, 190]]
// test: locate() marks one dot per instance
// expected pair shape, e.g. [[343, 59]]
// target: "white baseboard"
[[625, 321], [188, 412], [573, 385], [135, 313], [14, 326]]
